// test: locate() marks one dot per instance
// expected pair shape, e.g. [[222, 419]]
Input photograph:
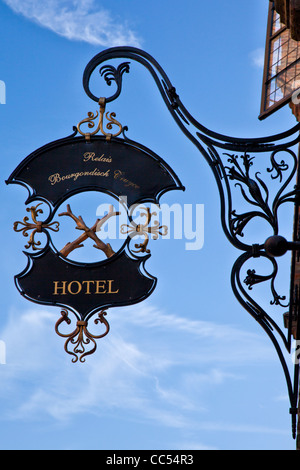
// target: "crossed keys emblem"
[[89, 233]]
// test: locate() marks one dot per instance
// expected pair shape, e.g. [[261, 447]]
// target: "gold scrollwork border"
[[36, 227], [90, 121], [81, 337]]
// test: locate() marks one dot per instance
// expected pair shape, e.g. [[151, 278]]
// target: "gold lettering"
[[105, 159], [79, 287], [88, 286], [57, 178], [110, 288], [92, 156], [88, 156], [120, 175], [56, 288], [100, 286]]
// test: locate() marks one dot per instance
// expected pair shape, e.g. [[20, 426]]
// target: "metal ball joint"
[[278, 246]]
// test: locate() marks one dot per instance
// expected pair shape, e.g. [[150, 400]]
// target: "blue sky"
[[188, 368]]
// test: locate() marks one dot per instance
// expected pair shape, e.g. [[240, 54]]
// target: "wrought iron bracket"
[[231, 160]]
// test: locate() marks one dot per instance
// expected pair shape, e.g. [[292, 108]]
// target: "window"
[[282, 66]]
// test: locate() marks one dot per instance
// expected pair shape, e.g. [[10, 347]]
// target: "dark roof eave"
[[289, 11]]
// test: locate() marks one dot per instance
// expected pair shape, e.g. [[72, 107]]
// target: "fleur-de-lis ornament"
[[145, 229], [36, 227]]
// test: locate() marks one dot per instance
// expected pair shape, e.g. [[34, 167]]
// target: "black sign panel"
[[51, 279], [66, 167]]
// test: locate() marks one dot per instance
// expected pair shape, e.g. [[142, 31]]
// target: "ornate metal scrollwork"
[[144, 230], [111, 118], [232, 161], [81, 337], [36, 227], [255, 190]]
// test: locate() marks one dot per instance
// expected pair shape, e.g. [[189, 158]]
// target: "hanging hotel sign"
[[53, 174]]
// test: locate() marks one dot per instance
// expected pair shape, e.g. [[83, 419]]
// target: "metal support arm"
[[232, 162]]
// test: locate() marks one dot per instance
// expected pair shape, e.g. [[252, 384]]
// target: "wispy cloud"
[[77, 20], [133, 367], [258, 57], [154, 368]]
